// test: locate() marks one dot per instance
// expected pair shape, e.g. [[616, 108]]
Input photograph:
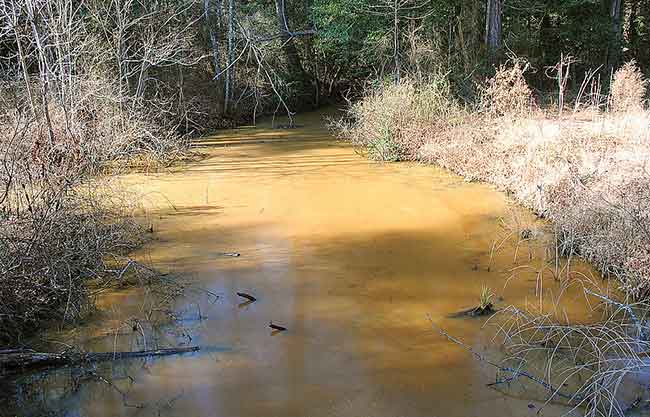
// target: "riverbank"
[[585, 170], [65, 231]]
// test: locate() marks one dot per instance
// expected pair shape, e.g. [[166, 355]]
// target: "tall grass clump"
[[390, 123], [628, 90], [599, 368]]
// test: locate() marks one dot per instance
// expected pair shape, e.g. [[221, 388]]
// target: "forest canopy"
[[237, 59]]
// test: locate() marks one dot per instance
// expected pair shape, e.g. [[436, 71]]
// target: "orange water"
[[352, 256]]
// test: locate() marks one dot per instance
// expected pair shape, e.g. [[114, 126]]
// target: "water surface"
[[353, 257]]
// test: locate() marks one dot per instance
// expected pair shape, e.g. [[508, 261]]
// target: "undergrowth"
[[60, 227], [586, 171]]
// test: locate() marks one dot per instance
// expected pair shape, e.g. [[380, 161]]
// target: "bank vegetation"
[[581, 163], [74, 106]]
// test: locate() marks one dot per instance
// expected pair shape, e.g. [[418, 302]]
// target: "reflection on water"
[[350, 255]]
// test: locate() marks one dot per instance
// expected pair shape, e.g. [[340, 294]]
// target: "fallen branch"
[[277, 327], [625, 307], [247, 296], [22, 360], [477, 311], [516, 373]]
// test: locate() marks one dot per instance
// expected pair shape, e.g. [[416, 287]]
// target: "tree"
[[213, 15], [231, 55], [468, 39], [294, 64], [614, 50], [493, 27]]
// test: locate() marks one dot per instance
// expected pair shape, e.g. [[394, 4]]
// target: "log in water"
[[22, 360]]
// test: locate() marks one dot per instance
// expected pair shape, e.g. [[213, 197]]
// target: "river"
[[353, 257]]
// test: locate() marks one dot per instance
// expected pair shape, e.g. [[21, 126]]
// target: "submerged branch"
[[22, 360], [516, 373]]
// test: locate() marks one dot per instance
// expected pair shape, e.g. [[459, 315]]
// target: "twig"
[[515, 372], [247, 296], [622, 306], [277, 327]]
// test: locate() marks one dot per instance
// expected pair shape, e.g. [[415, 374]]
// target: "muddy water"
[[353, 257]]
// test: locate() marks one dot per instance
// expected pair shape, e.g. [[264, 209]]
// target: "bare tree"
[[493, 27], [398, 11], [294, 63], [616, 35], [231, 55], [12, 16]]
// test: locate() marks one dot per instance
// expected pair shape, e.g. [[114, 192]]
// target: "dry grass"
[[588, 177], [628, 89], [391, 121], [600, 368]]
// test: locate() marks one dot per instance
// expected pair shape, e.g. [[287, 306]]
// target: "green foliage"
[[346, 34], [344, 22], [355, 38], [387, 123], [485, 300], [383, 146]]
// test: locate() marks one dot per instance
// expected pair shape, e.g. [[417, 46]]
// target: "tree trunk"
[[616, 36], [230, 70], [43, 67], [493, 28], [396, 53], [294, 65], [213, 22], [469, 39], [643, 32], [25, 73]]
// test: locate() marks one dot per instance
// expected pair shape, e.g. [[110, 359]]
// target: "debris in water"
[[247, 296], [478, 311], [527, 234], [277, 327], [288, 126], [18, 360]]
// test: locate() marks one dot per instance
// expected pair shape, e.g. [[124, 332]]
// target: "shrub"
[[48, 255], [507, 92], [628, 89], [390, 122], [57, 230]]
